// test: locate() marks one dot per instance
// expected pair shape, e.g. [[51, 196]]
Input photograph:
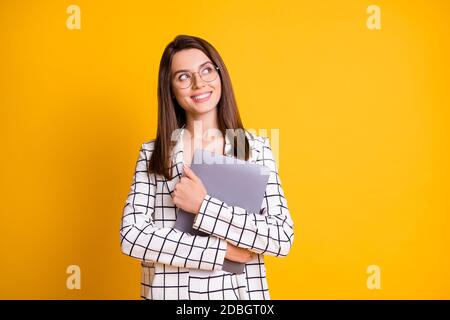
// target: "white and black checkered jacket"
[[177, 265]]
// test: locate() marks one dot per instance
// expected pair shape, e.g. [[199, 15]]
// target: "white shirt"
[[177, 265]]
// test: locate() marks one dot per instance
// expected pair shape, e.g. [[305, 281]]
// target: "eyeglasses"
[[207, 73]]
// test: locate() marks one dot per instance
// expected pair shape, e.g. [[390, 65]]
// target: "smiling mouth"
[[202, 97]]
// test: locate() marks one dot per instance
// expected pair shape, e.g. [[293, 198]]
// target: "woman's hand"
[[189, 192], [237, 254]]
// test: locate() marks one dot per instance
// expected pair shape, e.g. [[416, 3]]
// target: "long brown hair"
[[171, 116]]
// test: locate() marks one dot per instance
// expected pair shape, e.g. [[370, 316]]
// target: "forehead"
[[189, 59]]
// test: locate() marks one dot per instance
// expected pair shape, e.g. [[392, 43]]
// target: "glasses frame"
[[192, 76]]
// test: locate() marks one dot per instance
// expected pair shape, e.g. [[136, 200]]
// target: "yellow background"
[[363, 119]]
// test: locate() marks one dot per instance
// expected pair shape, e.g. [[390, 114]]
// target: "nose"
[[197, 81]]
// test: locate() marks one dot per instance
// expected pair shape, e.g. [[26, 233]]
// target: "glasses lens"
[[208, 72], [183, 80]]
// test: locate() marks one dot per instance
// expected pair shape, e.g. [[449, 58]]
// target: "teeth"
[[201, 96]]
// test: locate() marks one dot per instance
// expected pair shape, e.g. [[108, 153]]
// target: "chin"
[[204, 109]]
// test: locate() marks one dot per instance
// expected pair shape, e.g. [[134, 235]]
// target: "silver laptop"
[[235, 182]]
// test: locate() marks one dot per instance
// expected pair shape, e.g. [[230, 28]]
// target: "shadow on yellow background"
[[363, 155]]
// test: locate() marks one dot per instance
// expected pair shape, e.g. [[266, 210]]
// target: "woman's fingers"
[[190, 174]]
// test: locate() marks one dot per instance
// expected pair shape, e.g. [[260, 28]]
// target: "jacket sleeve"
[[269, 232], [142, 239]]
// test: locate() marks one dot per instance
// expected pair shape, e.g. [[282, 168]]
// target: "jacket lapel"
[[176, 161]]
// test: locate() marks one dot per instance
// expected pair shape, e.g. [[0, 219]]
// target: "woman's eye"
[[206, 70], [183, 77]]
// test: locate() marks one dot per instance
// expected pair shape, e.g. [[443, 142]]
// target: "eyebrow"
[[186, 70]]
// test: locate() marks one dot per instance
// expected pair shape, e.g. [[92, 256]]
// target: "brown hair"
[[171, 116]]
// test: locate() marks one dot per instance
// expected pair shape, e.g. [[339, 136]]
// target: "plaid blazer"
[[177, 265]]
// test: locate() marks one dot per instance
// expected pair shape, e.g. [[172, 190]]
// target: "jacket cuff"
[[213, 217], [221, 254]]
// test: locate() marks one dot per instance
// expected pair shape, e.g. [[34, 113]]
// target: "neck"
[[202, 127]]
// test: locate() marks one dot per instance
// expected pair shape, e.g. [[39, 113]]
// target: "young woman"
[[195, 98]]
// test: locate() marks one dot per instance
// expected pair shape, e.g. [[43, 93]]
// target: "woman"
[[195, 98]]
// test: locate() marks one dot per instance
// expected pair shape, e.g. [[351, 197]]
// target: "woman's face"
[[192, 99]]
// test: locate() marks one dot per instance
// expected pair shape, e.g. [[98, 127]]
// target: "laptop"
[[233, 181]]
